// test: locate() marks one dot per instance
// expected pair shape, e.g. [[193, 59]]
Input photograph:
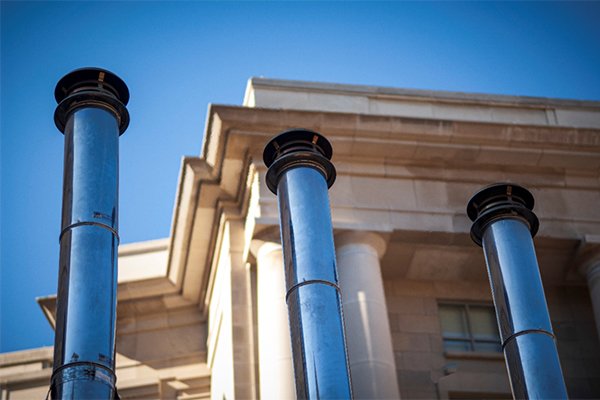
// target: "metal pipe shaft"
[[504, 226], [91, 114], [300, 173]]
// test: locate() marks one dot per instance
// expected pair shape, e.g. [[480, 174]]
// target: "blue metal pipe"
[[91, 113], [504, 225], [300, 173]]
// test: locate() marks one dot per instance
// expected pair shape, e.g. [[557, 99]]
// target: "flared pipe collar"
[[91, 87], [298, 148], [497, 201]]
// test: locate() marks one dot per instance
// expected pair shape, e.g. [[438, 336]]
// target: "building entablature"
[[395, 173]]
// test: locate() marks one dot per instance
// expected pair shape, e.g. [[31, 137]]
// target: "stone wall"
[[425, 371], [578, 344]]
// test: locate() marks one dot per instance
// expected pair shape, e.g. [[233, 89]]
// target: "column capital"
[[375, 240], [259, 247]]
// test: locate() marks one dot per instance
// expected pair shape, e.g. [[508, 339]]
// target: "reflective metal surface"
[[300, 173], [316, 332], [515, 278], [84, 381], [526, 332], [315, 312], [91, 168], [308, 249], [87, 292], [534, 367], [84, 348]]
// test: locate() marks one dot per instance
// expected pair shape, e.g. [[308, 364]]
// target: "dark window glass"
[[469, 327]]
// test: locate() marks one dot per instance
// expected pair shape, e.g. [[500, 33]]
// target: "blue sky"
[[177, 57]]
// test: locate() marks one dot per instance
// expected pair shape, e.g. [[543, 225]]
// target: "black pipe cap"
[[498, 192], [91, 87], [500, 200], [297, 147], [296, 140], [91, 78]]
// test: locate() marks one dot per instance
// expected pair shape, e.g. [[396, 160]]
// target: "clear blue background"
[[178, 57]]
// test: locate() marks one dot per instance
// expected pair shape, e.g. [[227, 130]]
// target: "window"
[[469, 327]]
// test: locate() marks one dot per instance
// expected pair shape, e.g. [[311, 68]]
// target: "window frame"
[[466, 305]]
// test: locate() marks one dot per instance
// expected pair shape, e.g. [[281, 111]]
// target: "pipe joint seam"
[[89, 223], [499, 213], [311, 282], [83, 371], [526, 332], [299, 159], [91, 98]]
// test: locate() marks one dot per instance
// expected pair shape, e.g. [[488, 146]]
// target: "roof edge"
[[421, 94]]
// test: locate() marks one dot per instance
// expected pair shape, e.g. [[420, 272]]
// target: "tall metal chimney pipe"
[[300, 173], [92, 115], [504, 225]]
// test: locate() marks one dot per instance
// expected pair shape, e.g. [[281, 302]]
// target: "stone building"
[[202, 314]]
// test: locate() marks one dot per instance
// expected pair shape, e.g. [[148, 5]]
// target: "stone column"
[[370, 351], [592, 274], [587, 261], [274, 345], [591, 271]]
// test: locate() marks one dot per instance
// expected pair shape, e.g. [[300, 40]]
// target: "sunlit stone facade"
[[202, 315]]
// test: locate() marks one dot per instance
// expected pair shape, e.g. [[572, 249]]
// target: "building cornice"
[[216, 183], [407, 140], [419, 94]]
